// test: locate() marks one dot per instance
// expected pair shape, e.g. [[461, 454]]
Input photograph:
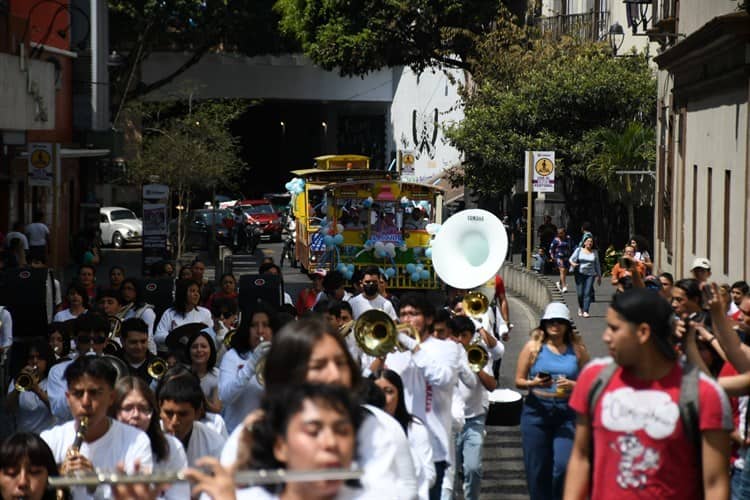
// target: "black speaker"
[[23, 293], [260, 287], [159, 292]]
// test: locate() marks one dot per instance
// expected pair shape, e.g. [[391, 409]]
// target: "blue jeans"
[[584, 290], [469, 455], [735, 484], [437, 488], [547, 429]]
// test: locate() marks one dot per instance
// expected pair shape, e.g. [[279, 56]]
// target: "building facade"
[[703, 163]]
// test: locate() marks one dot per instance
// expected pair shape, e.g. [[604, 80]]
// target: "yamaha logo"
[[24, 275], [259, 282], [151, 287], [475, 218]]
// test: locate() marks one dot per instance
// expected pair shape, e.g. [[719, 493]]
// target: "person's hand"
[[218, 484], [75, 462], [715, 304], [538, 381], [565, 383], [138, 491], [599, 280], [260, 351], [703, 334]]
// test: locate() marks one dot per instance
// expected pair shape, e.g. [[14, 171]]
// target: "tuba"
[[377, 334], [477, 356], [25, 381], [467, 252]]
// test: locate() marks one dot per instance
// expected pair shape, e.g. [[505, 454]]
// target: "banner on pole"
[[41, 166], [543, 168]]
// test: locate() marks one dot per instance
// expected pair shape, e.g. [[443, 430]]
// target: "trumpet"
[[377, 334], [157, 368], [26, 380], [475, 304], [243, 477], [477, 356]]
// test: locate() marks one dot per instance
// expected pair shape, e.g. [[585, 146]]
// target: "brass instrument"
[[25, 381], [119, 365], [260, 364], [477, 356], [475, 304], [157, 368], [115, 324], [244, 477], [377, 334], [83, 425], [228, 338]]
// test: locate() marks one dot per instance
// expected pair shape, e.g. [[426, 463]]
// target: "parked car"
[[198, 226], [263, 212], [119, 227]]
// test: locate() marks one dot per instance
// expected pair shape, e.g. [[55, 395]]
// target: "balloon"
[[349, 275], [339, 228], [428, 253], [420, 267], [432, 228], [288, 186], [379, 244], [338, 239], [410, 268], [390, 247], [390, 272], [425, 274], [341, 268], [403, 247], [380, 252], [367, 202], [350, 267], [328, 241], [405, 201], [417, 251], [415, 276]]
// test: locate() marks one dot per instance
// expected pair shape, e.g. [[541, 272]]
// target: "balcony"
[[591, 26]]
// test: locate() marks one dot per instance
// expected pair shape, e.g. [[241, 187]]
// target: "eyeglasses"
[[143, 410]]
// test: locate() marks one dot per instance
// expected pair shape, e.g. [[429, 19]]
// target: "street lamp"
[[637, 14], [616, 37]]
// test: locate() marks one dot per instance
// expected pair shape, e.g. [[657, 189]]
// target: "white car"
[[119, 226]]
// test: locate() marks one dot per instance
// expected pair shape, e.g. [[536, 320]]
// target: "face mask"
[[370, 289]]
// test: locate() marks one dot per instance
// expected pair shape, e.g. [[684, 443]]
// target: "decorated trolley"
[[355, 217]]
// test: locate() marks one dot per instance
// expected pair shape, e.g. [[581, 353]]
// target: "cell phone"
[[544, 375]]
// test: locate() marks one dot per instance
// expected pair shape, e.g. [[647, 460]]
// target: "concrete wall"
[[286, 77], [695, 13], [19, 109], [537, 290], [423, 105]]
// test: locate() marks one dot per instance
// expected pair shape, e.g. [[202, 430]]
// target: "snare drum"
[[505, 408]]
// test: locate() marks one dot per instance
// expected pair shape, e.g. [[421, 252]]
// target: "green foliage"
[[359, 36], [538, 95]]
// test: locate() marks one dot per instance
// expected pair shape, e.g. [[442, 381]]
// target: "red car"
[[262, 211]]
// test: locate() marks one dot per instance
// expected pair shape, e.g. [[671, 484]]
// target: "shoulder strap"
[[598, 385], [690, 405]]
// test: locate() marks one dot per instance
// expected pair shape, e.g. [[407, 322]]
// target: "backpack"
[[688, 403]]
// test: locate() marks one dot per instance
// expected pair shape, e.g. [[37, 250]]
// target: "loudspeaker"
[[260, 287], [23, 292], [159, 292]]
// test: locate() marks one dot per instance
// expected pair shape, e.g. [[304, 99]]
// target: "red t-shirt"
[[640, 447], [499, 286]]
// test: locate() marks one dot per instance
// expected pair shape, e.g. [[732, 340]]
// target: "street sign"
[[40, 164], [542, 165], [155, 226]]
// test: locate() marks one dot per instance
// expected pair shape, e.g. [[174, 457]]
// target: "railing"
[[589, 26]]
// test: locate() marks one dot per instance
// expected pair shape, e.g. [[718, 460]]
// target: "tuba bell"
[[157, 368], [477, 356], [377, 334]]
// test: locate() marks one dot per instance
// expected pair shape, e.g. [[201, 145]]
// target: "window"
[[121, 215]]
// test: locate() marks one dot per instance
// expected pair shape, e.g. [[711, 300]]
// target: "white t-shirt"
[[6, 329], [171, 319], [216, 422], [37, 233], [15, 234], [32, 414], [360, 304], [239, 390], [421, 454], [176, 461], [383, 453], [203, 441], [210, 382], [65, 315], [121, 443]]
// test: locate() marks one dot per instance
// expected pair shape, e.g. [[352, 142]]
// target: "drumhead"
[[504, 396]]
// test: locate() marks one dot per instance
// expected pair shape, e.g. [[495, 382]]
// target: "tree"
[[140, 27], [633, 148], [189, 149], [536, 94], [360, 36]]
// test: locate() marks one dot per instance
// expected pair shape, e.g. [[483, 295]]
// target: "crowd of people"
[[118, 384]]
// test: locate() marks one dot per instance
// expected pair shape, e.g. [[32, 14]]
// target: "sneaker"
[[557, 284], [580, 313], [564, 289], [586, 315]]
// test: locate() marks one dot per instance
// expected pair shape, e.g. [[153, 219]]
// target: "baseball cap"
[[556, 310], [318, 272], [701, 262]]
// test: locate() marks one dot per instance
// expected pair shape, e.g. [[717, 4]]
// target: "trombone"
[[377, 334]]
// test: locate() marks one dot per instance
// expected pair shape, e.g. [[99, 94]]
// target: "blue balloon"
[[328, 241], [380, 252], [349, 275], [425, 274], [289, 186], [415, 276], [350, 268], [410, 268], [338, 239], [420, 267], [341, 268], [428, 253], [390, 272], [417, 251]]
